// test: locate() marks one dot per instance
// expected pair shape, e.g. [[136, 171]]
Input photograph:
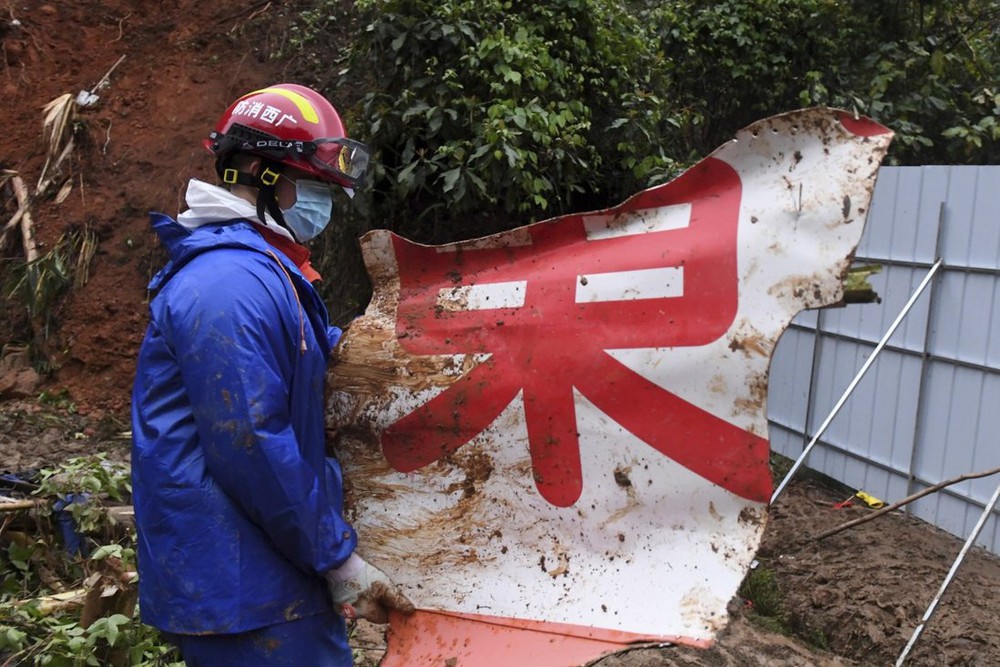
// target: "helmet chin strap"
[[267, 201], [264, 182], [267, 179], [270, 170]]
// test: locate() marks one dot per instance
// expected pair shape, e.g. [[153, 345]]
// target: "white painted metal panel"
[[930, 188], [549, 439], [992, 325], [985, 246], [785, 442], [889, 411], [899, 419]]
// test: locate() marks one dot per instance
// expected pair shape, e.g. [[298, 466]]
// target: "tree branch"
[[905, 501]]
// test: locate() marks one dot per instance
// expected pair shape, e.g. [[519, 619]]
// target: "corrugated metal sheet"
[[927, 410]]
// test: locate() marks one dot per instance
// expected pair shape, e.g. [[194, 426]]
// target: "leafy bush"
[[927, 69], [483, 116], [488, 115], [91, 481], [36, 628], [733, 62]]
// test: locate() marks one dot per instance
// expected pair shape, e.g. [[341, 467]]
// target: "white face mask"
[[310, 213]]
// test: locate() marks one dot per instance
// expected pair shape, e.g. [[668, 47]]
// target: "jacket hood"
[[183, 244], [215, 218]]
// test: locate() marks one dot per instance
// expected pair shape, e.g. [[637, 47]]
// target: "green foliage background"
[[484, 115]]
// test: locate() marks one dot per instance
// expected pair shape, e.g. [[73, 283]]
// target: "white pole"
[[951, 574], [857, 378]]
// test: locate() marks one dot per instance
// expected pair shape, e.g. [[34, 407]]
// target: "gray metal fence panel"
[[929, 408]]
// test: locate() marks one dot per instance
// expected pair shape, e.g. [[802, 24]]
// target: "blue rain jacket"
[[238, 510]]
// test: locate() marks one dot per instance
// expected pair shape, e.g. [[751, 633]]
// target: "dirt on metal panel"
[[561, 430]]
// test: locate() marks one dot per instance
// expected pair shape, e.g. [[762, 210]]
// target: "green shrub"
[[926, 69], [483, 116], [487, 115], [35, 565]]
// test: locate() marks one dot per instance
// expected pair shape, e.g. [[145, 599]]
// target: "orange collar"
[[299, 254]]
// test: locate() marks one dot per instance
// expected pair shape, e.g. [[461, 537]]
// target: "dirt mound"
[[135, 150], [864, 590]]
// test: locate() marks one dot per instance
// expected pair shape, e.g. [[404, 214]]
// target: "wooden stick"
[[20, 505], [13, 221], [46, 181], [76, 598], [905, 501], [27, 227], [51, 604], [5, 176], [107, 76]]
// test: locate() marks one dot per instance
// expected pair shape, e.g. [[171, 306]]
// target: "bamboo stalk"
[[5, 176], [905, 501], [27, 226], [13, 221], [47, 180], [51, 604]]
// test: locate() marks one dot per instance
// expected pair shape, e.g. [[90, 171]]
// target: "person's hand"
[[361, 590]]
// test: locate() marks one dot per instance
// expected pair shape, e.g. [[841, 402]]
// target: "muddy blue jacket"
[[237, 507]]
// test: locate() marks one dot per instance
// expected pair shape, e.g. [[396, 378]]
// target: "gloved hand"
[[360, 589]]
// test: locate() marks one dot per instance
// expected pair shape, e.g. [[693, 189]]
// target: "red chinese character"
[[551, 343]]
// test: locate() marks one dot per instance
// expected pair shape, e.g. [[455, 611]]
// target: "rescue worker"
[[244, 555]]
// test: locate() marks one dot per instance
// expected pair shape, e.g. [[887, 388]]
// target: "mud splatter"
[[749, 341], [754, 404], [810, 291], [622, 478], [751, 516]]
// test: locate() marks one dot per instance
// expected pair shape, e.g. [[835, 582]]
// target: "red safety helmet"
[[291, 125]]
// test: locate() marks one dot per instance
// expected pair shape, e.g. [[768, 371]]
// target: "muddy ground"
[[852, 599]]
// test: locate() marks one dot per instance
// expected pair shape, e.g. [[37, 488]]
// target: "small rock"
[[17, 377]]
